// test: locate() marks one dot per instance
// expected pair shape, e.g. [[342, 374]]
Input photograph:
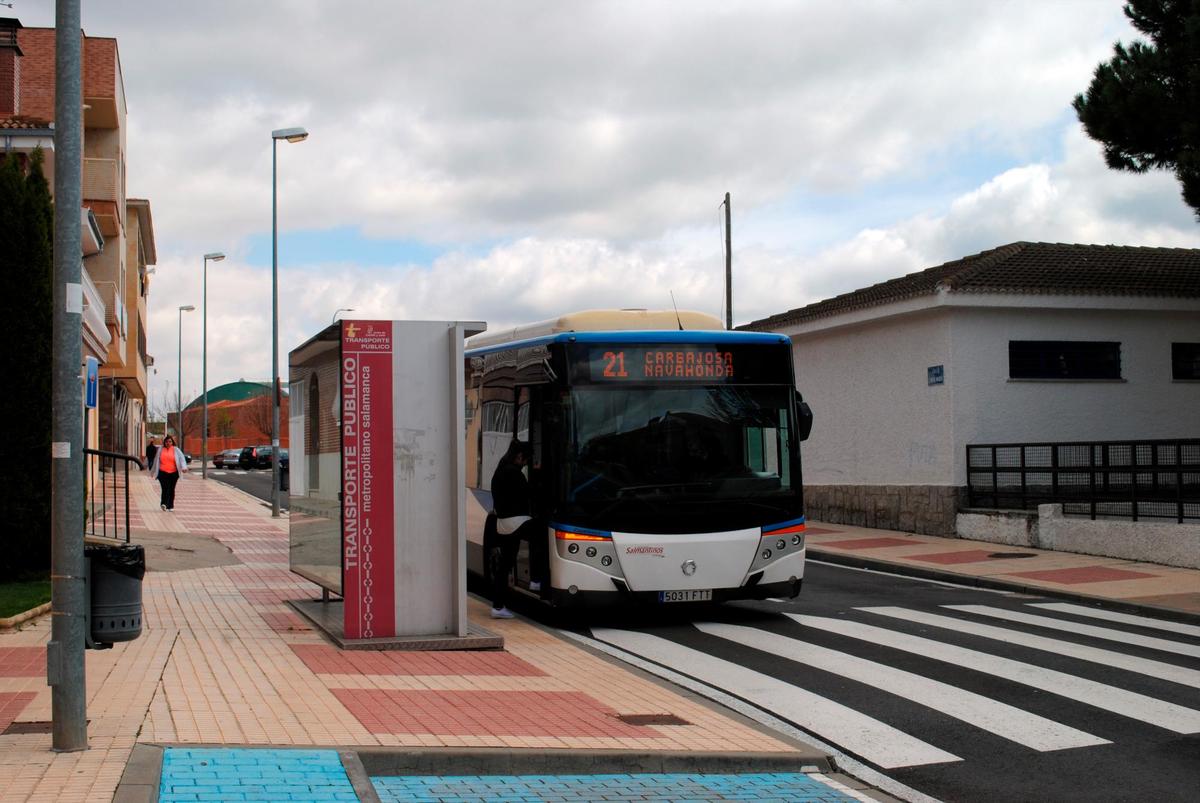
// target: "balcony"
[[95, 333], [104, 193]]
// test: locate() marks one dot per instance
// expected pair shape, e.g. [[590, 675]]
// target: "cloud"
[[572, 155]]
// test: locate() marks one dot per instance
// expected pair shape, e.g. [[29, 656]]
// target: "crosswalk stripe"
[[1160, 713], [1004, 720], [1106, 633], [857, 733], [1096, 655], [1115, 616]]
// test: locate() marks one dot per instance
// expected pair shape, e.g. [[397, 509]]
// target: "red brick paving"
[[1082, 574], [868, 543], [820, 530], [12, 703], [284, 622], [501, 713], [267, 577], [325, 660], [949, 558], [271, 596], [22, 662]]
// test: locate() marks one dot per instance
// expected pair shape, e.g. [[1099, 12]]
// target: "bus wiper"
[[663, 488]]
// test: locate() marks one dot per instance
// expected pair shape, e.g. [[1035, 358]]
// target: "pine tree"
[[26, 296], [1144, 104]]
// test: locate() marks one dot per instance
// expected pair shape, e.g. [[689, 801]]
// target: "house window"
[[1063, 359], [1185, 360]]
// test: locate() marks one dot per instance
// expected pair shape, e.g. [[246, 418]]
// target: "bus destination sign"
[[675, 362]]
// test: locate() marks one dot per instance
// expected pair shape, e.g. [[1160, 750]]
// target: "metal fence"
[[107, 510], [1152, 479]]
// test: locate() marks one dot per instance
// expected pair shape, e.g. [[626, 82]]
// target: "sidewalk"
[[223, 661], [1147, 587]]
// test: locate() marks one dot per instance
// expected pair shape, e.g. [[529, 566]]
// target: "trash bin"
[[116, 573]]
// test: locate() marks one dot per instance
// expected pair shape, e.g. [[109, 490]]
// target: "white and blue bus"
[[665, 455]]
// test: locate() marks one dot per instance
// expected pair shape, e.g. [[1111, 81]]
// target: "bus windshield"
[[694, 458]]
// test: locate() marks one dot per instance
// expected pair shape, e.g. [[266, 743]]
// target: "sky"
[[512, 161]]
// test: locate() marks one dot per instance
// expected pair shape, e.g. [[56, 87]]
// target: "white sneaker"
[[501, 613], [535, 586]]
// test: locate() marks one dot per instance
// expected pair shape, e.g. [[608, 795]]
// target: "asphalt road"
[[958, 693], [256, 482]]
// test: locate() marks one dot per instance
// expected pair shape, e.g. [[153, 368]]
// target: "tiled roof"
[[23, 123], [1027, 268]]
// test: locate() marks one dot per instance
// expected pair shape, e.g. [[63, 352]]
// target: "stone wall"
[[928, 509], [1163, 541]]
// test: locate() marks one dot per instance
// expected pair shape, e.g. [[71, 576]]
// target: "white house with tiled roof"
[[1028, 342]]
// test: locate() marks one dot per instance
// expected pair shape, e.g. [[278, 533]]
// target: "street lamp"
[[179, 376], [291, 135], [335, 314], [216, 256]]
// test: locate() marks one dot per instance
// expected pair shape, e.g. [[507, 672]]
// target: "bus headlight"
[[606, 560], [573, 548], [591, 552]]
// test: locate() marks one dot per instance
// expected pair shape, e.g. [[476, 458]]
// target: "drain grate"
[[1008, 555], [652, 719], [29, 727]]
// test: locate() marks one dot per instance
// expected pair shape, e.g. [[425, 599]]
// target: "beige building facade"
[[118, 232]]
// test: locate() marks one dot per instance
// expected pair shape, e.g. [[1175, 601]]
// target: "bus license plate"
[[694, 595]]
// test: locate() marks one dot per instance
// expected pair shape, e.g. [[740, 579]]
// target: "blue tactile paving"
[[191, 775], [784, 787]]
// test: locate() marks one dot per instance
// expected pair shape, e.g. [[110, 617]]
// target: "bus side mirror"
[[804, 424]]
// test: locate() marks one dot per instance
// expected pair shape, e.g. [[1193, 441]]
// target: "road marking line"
[[855, 732], [844, 761], [1006, 721], [1146, 709], [1114, 616], [1096, 655], [1108, 634]]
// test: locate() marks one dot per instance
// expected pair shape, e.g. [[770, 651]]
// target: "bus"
[[665, 455]]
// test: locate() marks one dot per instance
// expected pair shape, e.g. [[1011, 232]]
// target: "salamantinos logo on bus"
[[655, 551]]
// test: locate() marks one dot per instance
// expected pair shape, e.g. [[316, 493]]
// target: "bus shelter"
[[377, 482]]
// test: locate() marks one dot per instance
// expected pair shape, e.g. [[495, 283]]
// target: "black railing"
[[1118, 479], [107, 487]]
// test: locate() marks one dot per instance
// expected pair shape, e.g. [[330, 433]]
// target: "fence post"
[[1179, 480], [995, 480], [1092, 478], [1133, 496], [1054, 471]]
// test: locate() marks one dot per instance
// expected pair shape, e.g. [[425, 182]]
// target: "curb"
[[508, 761], [921, 572], [21, 618], [143, 772]]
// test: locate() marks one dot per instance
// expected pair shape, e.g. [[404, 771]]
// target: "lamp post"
[[216, 256], [335, 314], [179, 376], [291, 135]]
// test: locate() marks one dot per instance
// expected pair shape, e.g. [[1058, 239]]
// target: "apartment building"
[[118, 232]]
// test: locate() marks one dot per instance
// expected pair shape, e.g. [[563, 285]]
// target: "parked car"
[[249, 458], [260, 457], [227, 459], [263, 458]]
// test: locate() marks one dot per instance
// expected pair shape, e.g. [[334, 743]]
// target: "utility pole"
[[728, 269], [68, 589]]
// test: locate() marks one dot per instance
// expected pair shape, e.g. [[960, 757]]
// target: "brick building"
[[118, 232]]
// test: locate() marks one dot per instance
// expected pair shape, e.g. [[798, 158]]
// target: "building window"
[[1185, 360], [1063, 359]]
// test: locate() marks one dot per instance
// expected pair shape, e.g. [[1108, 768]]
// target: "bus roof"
[[601, 320], [635, 336]]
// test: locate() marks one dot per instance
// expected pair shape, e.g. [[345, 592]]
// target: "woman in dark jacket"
[[511, 504]]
